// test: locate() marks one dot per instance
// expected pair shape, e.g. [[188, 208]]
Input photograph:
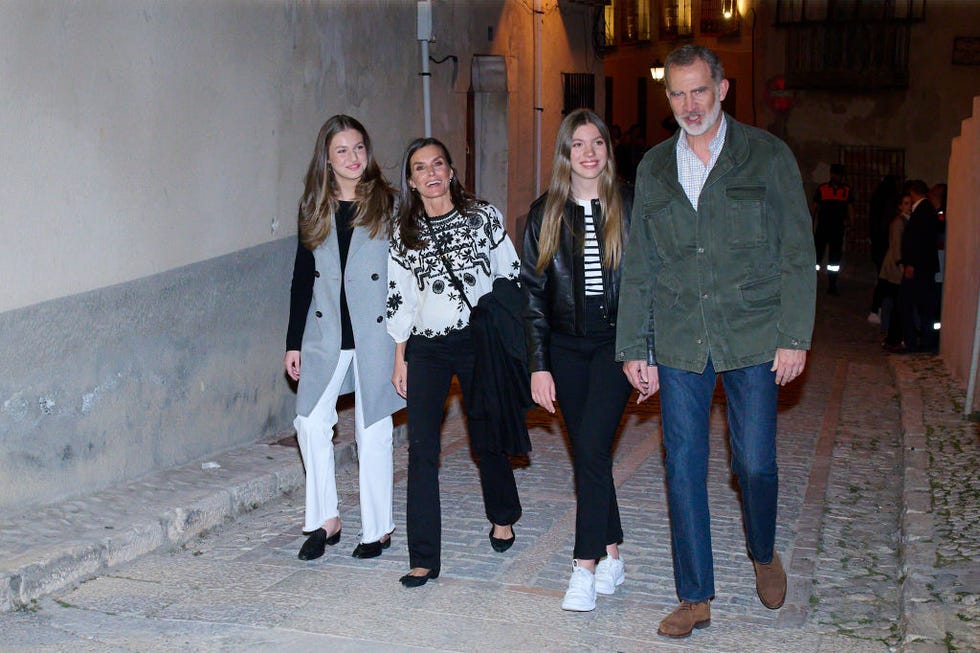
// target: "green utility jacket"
[[733, 280]]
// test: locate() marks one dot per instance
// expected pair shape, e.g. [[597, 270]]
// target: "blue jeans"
[[685, 401]]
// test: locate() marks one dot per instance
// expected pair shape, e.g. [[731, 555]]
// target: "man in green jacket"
[[718, 279]]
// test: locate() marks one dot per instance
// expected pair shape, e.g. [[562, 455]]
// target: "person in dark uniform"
[[833, 210]]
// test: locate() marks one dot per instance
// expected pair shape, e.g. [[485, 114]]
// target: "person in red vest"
[[833, 210]]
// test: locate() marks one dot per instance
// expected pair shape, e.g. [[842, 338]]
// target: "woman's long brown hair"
[[375, 197], [560, 191]]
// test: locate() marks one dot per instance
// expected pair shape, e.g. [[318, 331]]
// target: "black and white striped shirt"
[[593, 261]]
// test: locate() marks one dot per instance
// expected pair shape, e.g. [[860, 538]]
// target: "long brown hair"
[[411, 211], [374, 196], [560, 191]]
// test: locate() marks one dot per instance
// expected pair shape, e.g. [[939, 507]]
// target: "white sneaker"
[[874, 318], [580, 596], [609, 574]]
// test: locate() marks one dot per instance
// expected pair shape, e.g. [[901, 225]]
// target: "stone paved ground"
[[850, 542], [954, 478]]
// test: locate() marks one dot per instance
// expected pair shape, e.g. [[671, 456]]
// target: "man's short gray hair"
[[689, 54]]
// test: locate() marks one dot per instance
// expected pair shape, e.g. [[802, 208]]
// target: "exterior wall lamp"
[[657, 71]]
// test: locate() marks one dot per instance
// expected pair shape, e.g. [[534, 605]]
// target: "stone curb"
[[85, 537], [920, 614]]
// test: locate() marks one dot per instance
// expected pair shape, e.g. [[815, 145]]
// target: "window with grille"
[[578, 91], [848, 44], [789, 12], [864, 168], [675, 19], [627, 21]]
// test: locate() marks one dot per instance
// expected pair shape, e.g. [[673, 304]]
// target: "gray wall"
[[152, 157], [116, 382]]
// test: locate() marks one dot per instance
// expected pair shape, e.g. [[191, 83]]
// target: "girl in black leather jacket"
[[570, 270]]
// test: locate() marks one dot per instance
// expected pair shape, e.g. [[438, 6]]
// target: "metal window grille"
[[578, 91], [864, 168], [803, 11], [848, 44]]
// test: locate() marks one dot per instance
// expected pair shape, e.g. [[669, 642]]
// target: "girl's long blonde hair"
[[560, 190], [375, 199]]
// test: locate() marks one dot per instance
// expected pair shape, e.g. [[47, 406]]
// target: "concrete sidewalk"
[[49, 549], [879, 528]]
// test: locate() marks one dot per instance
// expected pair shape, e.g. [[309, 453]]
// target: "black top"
[[301, 289], [345, 214]]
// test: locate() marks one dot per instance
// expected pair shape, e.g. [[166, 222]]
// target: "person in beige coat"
[[890, 275]]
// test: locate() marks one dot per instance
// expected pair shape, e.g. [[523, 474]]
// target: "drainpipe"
[[424, 36], [538, 109]]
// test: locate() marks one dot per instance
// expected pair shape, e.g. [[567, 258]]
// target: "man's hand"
[[645, 378], [543, 390], [788, 364]]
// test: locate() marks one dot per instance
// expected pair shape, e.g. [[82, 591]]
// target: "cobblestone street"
[[881, 556]]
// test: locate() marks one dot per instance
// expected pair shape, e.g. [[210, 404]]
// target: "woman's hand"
[[543, 390], [291, 362], [399, 374]]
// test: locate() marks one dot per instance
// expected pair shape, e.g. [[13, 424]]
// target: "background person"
[[336, 342], [570, 272], [445, 254], [881, 212], [920, 263], [833, 212], [890, 277]]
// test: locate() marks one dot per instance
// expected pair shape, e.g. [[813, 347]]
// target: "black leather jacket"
[[556, 297]]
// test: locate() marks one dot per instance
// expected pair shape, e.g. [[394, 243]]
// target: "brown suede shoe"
[[685, 618], [770, 582]]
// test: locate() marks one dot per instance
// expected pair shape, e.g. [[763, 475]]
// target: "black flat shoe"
[[500, 545], [408, 580], [316, 543], [371, 549]]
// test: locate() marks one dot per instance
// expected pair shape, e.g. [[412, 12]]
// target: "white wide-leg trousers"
[[374, 455]]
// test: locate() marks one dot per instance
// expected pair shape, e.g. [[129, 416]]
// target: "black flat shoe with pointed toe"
[[408, 580], [371, 549], [499, 545], [316, 544]]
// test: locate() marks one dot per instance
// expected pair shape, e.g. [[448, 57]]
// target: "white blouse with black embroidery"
[[421, 297]]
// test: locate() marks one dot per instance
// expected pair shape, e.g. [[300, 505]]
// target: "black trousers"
[[592, 392], [432, 362], [918, 301], [830, 237]]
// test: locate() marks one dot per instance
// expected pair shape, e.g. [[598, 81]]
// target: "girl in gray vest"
[[337, 340]]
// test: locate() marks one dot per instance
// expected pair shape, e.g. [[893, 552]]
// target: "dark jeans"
[[685, 401], [830, 237], [592, 392], [432, 362], [918, 301], [891, 320]]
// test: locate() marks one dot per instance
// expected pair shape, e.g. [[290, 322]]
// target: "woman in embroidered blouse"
[[337, 336], [573, 248], [440, 224]]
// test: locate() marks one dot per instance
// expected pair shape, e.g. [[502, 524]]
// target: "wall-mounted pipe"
[[424, 36], [538, 108]]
